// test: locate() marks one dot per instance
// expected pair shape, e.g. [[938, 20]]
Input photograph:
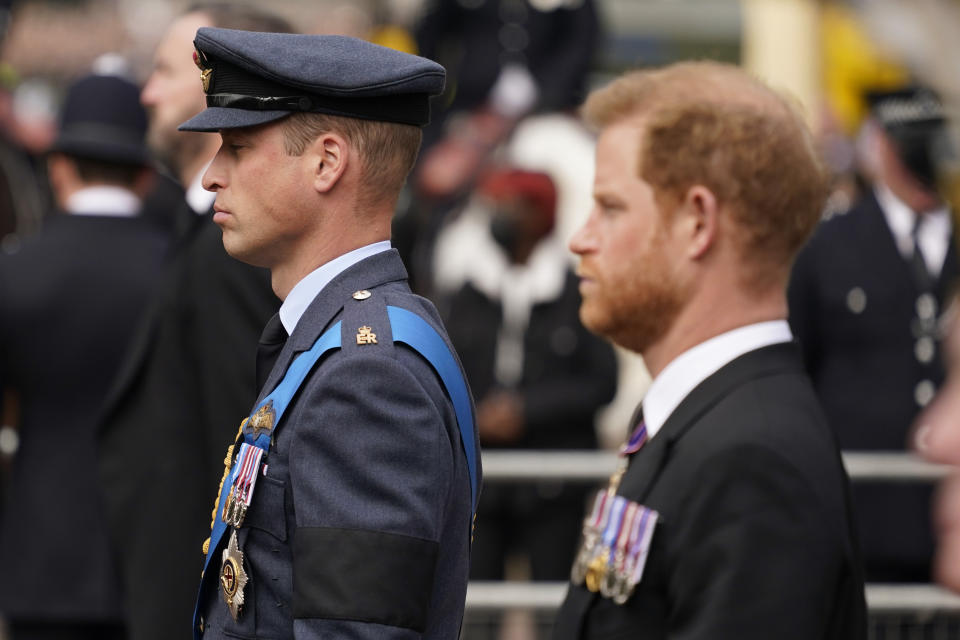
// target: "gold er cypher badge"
[[365, 335]]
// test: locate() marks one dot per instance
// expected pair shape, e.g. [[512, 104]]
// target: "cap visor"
[[216, 118]]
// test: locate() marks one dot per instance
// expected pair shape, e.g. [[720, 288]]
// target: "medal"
[[233, 578], [611, 583], [640, 536], [244, 481], [592, 526], [599, 566]]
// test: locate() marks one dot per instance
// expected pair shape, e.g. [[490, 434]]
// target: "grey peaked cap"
[[254, 78]]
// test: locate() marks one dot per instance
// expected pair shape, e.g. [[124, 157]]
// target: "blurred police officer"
[[729, 517], [346, 505], [865, 297], [71, 299], [189, 370]]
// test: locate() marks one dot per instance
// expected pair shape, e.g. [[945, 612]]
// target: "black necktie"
[[271, 342], [918, 265]]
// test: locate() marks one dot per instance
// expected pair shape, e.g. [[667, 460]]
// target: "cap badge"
[[206, 73], [365, 335]]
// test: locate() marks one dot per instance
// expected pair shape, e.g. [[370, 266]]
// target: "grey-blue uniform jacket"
[[360, 526]]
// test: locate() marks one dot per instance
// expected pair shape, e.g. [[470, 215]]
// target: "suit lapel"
[[646, 464], [371, 272]]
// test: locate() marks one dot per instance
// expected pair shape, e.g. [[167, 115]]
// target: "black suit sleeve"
[[561, 71], [734, 576]]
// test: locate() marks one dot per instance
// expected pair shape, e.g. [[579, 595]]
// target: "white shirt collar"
[[934, 234], [104, 201], [698, 363], [199, 199], [312, 284]]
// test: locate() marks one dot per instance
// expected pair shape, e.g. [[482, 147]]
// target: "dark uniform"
[[868, 328], [360, 516], [71, 299]]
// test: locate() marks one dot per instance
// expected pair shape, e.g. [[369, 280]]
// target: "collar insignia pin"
[[365, 335]]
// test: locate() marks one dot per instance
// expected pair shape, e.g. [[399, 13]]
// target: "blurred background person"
[[71, 299], [506, 59], [24, 191], [510, 300], [188, 378], [865, 297]]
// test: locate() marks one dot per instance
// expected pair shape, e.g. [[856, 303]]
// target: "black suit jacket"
[[865, 367], [71, 299], [184, 387], [755, 537]]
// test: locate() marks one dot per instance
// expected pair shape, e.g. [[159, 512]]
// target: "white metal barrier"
[[596, 466], [547, 596], [591, 466]]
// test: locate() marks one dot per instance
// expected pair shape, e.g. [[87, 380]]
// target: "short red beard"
[[637, 313]]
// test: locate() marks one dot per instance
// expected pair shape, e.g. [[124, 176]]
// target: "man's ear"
[[700, 218], [329, 156], [63, 177]]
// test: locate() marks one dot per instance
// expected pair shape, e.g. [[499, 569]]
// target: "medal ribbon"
[[601, 507], [249, 462], [613, 523], [641, 546], [623, 537]]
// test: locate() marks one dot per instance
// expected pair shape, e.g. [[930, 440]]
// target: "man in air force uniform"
[[347, 500]]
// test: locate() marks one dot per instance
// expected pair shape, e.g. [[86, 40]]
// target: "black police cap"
[[907, 107], [252, 78], [102, 119]]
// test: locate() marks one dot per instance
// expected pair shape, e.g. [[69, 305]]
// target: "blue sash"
[[408, 328]]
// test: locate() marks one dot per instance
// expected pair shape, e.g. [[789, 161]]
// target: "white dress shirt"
[[103, 201], [698, 363], [933, 235], [312, 284]]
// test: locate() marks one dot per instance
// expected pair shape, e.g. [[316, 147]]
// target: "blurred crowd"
[[122, 320]]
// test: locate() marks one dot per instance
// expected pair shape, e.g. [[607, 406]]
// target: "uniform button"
[[923, 393], [926, 307], [925, 349], [857, 300], [9, 441]]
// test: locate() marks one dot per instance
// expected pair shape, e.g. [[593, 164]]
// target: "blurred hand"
[[500, 418], [937, 438], [936, 433], [452, 164]]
